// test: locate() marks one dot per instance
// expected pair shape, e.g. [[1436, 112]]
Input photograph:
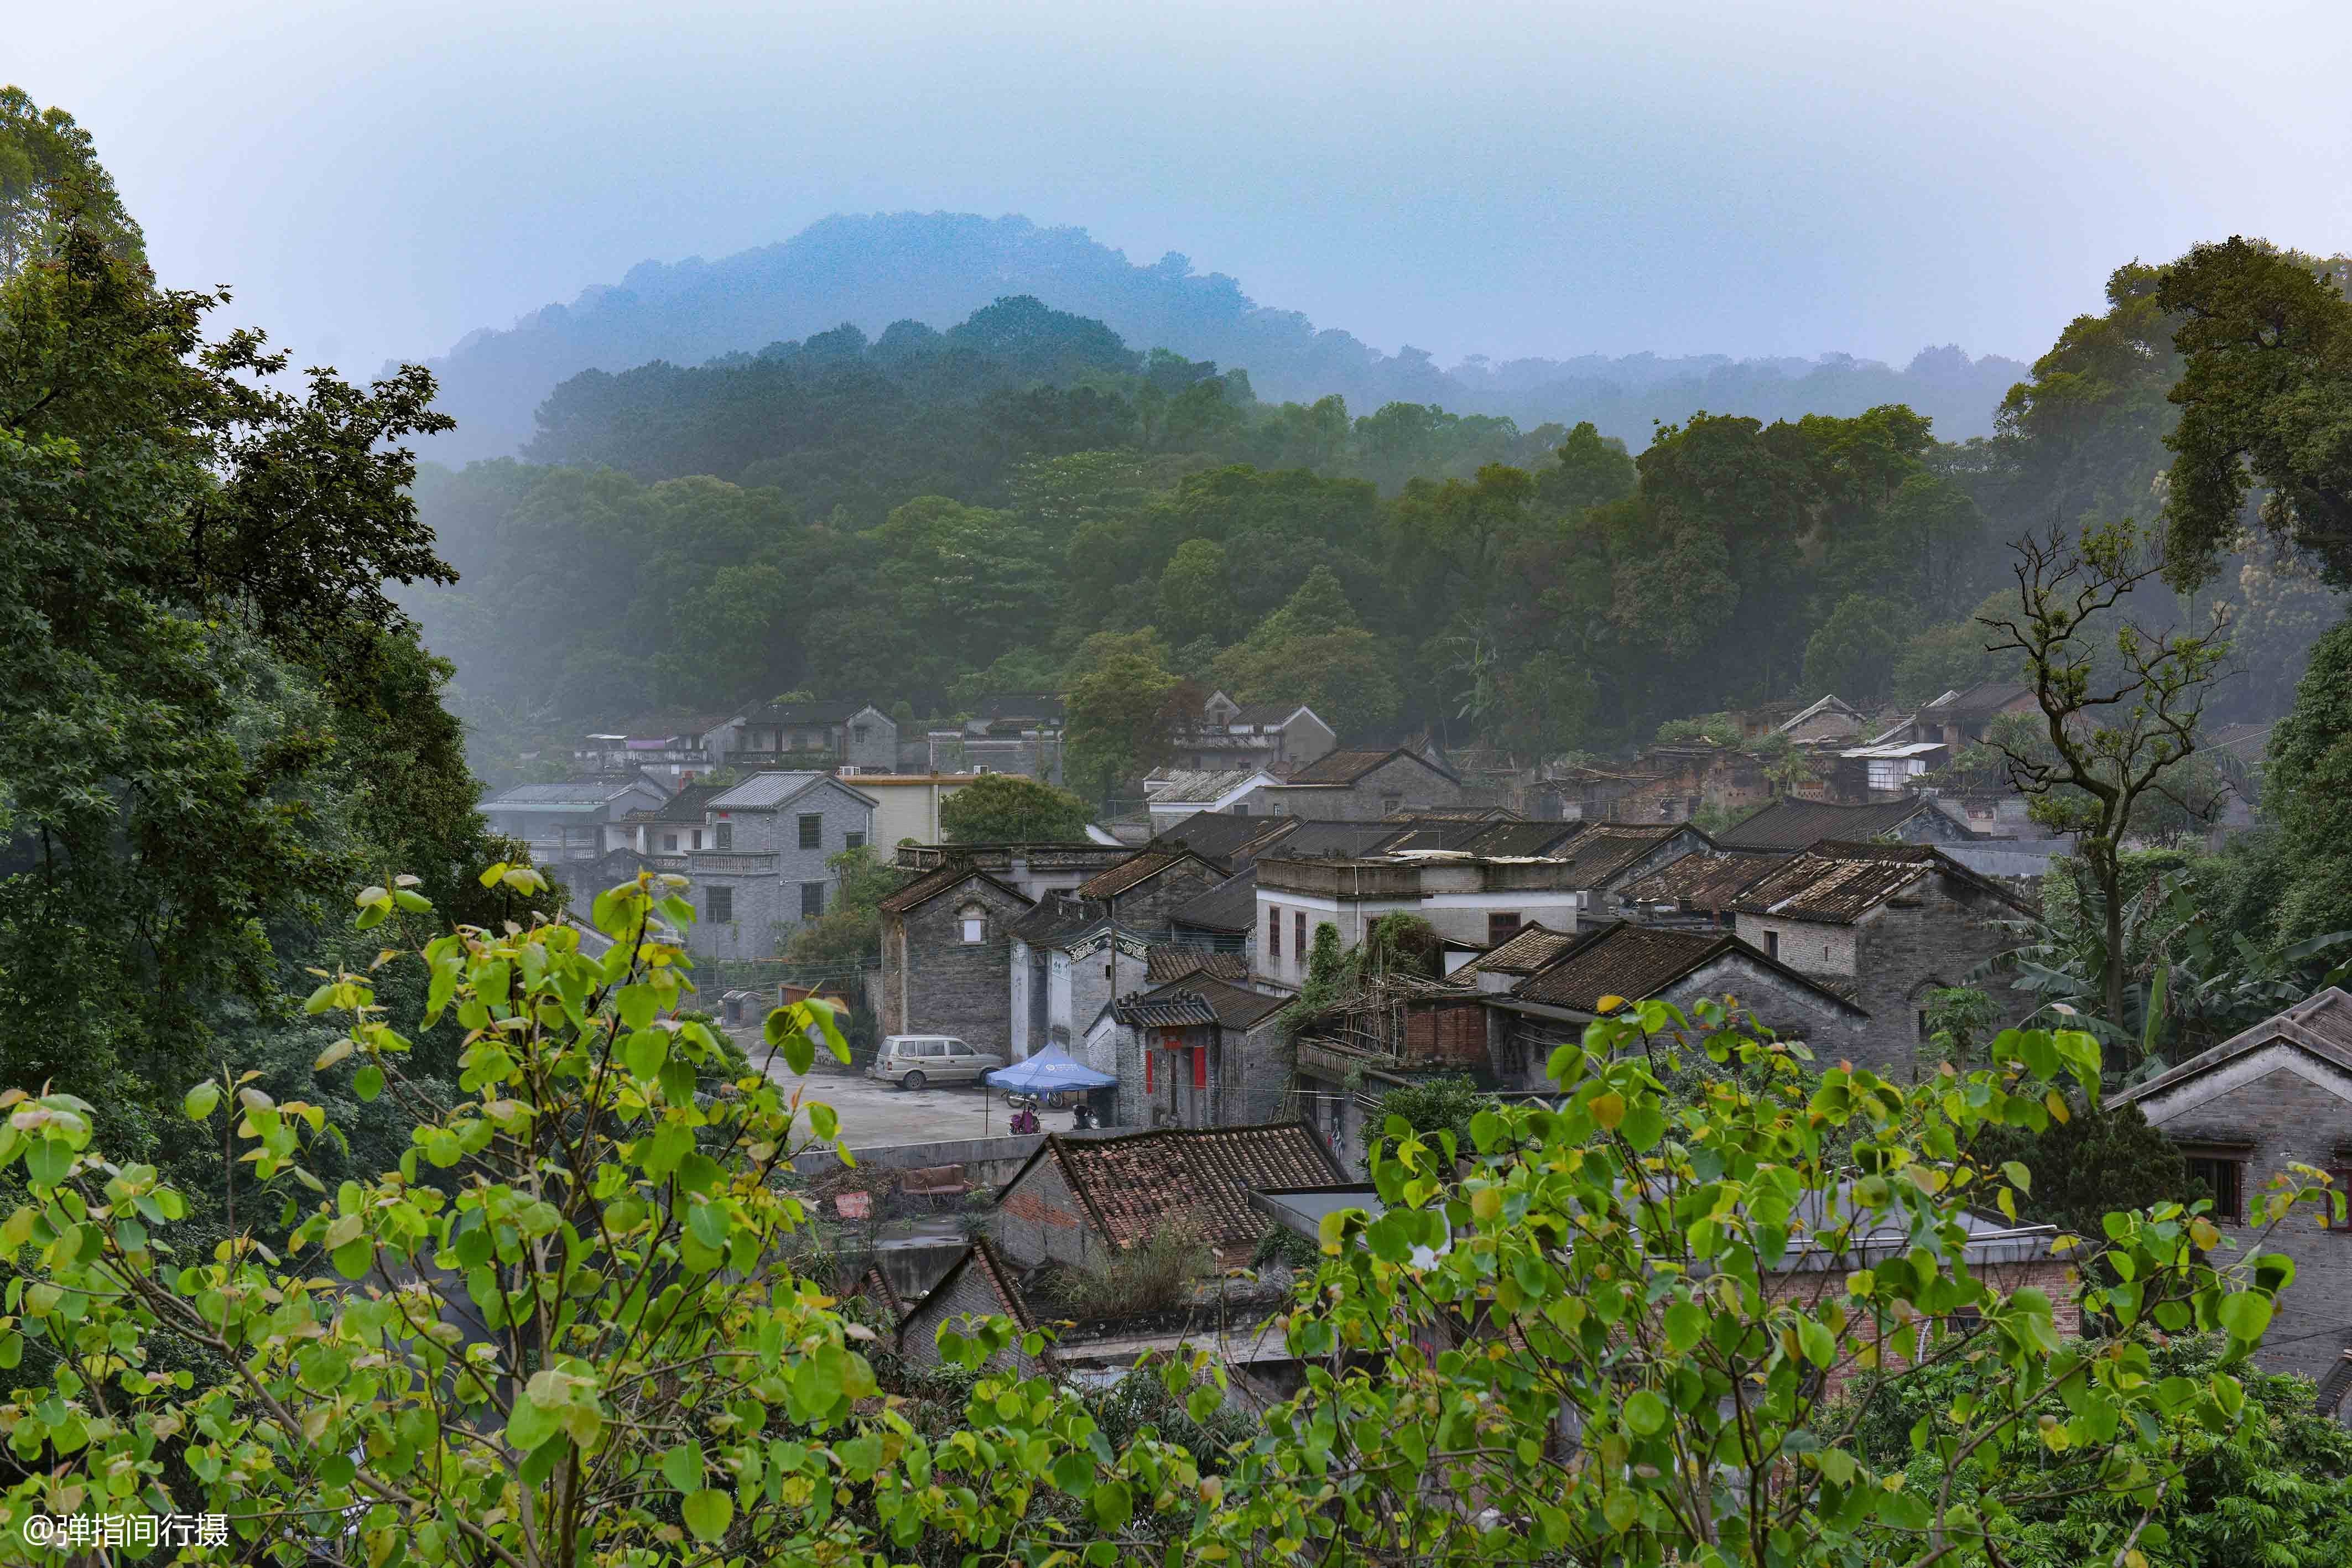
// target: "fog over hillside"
[[937, 268]]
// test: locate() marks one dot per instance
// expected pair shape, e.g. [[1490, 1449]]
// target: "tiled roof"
[[1059, 918], [1425, 834], [1621, 960], [1534, 947], [1524, 837], [1319, 840], [689, 803], [1347, 766], [1002, 1280], [1704, 881], [1231, 905], [1169, 962], [1200, 999], [1790, 824], [1839, 883], [1830, 703], [1018, 705], [1268, 714], [831, 710], [1983, 700], [1222, 836], [2321, 1024], [1605, 850], [1134, 871], [1200, 1175], [576, 792], [1171, 1008], [932, 884], [1206, 786], [763, 790]]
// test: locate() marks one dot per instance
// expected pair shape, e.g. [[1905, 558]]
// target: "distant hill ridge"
[[939, 268]]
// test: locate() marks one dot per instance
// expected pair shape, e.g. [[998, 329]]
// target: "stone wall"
[[1265, 1061], [2275, 1107]]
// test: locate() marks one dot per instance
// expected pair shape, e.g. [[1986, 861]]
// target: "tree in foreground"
[[1007, 808], [1640, 1326], [567, 1330], [572, 1326], [2118, 721]]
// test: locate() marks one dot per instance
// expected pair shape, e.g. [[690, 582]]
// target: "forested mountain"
[[934, 516], [935, 268]]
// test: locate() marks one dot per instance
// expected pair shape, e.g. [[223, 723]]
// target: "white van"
[[913, 1061]]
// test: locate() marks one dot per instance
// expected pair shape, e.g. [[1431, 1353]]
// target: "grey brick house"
[[2278, 1094], [1199, 1051], [1077, 949], [846, 733], [1360, 787], [947, 949], [578, 819], [1886, 924], [765, 870]]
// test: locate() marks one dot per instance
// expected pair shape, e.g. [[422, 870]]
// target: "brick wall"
[[969, 1295], [1038, 1218], [1447, 1034], [1265, 1062], [2054, 1277], [2275, 1107]]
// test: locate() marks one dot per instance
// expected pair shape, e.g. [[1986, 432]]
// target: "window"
[[1274, 936], [1241, 808], [2224, 1180], [1924, 1030], [1200, 1067], [811, 830], [1501, 928], [1389, 804], [697, 838], [724, 835], [974, 923], [858, 732], [1299, 931], [1825, 952], [812, 900], [1148, 1054], [1772, 944], [957, 1048], [852, 840], [718, 905], [669, 843]]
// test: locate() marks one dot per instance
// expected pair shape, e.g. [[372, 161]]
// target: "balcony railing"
[[784, 761]]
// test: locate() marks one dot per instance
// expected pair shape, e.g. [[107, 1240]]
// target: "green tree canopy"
[[1005, 808]]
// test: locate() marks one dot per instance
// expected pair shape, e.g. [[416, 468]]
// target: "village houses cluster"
[[1168, 951]]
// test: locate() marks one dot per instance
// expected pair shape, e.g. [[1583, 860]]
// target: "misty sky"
[[1500, 178]]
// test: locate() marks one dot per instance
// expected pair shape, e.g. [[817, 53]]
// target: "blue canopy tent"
[[1050, 1069]]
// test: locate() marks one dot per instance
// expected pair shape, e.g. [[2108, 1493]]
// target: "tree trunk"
[[2107, 867]]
